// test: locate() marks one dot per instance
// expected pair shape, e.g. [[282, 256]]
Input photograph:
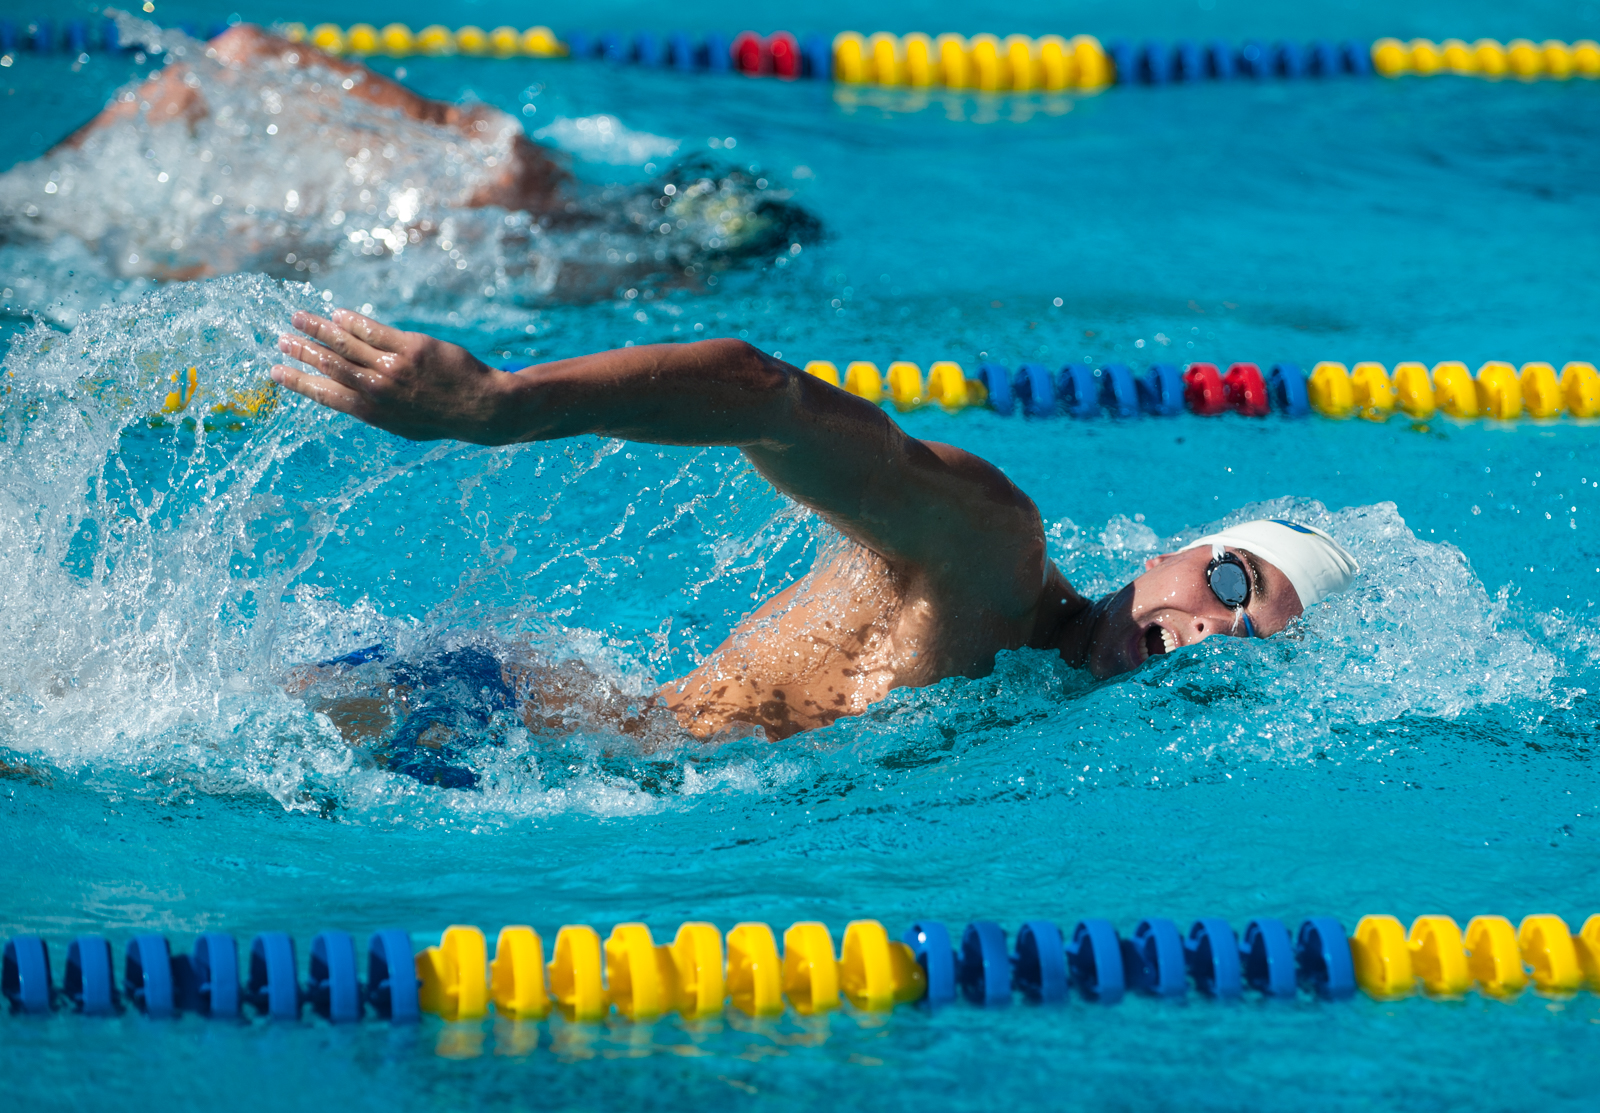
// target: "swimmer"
[[945, 564], [252, 153]]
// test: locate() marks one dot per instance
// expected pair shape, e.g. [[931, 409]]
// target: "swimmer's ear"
[[1162, 559]]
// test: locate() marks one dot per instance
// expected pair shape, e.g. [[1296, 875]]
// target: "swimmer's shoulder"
[[995, 547], [990, 483]]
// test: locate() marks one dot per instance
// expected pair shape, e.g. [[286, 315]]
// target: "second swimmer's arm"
[[907, 499]]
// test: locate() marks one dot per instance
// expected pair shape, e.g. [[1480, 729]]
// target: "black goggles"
[[1230, 583]]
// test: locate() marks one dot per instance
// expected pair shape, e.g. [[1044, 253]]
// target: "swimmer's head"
[[1249, 579]]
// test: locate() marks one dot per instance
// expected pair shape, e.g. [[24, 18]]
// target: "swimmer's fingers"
[[374, 333], [332, 336], [331, 364], [325, 391]]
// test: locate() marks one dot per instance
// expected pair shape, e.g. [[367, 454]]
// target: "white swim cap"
[[1316, 564]]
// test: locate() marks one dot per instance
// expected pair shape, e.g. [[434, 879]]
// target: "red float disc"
[[784, 50], [1245, 390], [1202, 389], [747, 53]]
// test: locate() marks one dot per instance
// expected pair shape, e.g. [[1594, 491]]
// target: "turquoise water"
[[1425, 743]]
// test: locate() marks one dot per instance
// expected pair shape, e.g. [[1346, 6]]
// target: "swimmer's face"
[[1172, 605]]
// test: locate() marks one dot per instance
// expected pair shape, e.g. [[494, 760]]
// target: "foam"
[[605, 139], [167, 571]]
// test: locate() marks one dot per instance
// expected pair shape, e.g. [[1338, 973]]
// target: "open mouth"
[[1158, 640]]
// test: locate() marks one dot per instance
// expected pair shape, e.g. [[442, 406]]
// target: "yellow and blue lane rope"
[[1498, 391], [982, 62], [704, 972]]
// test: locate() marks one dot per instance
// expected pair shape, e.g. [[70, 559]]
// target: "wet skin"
[[945, 565]]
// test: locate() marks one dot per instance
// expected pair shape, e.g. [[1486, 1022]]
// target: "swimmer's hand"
[[407, 383]]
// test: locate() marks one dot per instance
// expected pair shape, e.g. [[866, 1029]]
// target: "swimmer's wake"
[[250, 153]]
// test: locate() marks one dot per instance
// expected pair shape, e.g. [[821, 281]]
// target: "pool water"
[[1424, 743]]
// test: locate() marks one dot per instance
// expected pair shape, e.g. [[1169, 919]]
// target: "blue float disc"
[[147, 976], [334, 986], [816, 57], [1119, 394], [88, 980], [718, 58], [1161, 970], [580, 44], [1323, 59], [930, 943], [215, 962], [1356, 57], [647, 50], [1039, 970], [984, 972], [1211, 952], [1222, 61], [1322, 953], [392, 976], [1268, 957], [1254, 60], [680, 50], [1154, 64], [273, 988], [1079, 391], [25, 974], [996, 381], [1124, 66], [1035, 389], [1094, 959], [1160, 390], [1288, 60], [1286, 387], [1188, 62]]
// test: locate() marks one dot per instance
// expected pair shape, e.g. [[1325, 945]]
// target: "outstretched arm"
[[916, 503]]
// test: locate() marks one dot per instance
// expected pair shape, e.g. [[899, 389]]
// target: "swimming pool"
[[1426, 743]]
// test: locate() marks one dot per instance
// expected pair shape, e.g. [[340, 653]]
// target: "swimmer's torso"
[[836, 642]]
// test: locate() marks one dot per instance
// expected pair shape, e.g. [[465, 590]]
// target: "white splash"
[[604, 139]]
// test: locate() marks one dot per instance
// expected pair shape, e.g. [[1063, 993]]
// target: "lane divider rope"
[[701, 973], [982, 62], [1499, 391]]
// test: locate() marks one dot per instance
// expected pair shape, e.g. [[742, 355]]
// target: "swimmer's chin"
[[1116, 641]]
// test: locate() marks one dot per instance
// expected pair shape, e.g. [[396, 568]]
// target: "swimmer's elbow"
[[743, 358], [756, 376]]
